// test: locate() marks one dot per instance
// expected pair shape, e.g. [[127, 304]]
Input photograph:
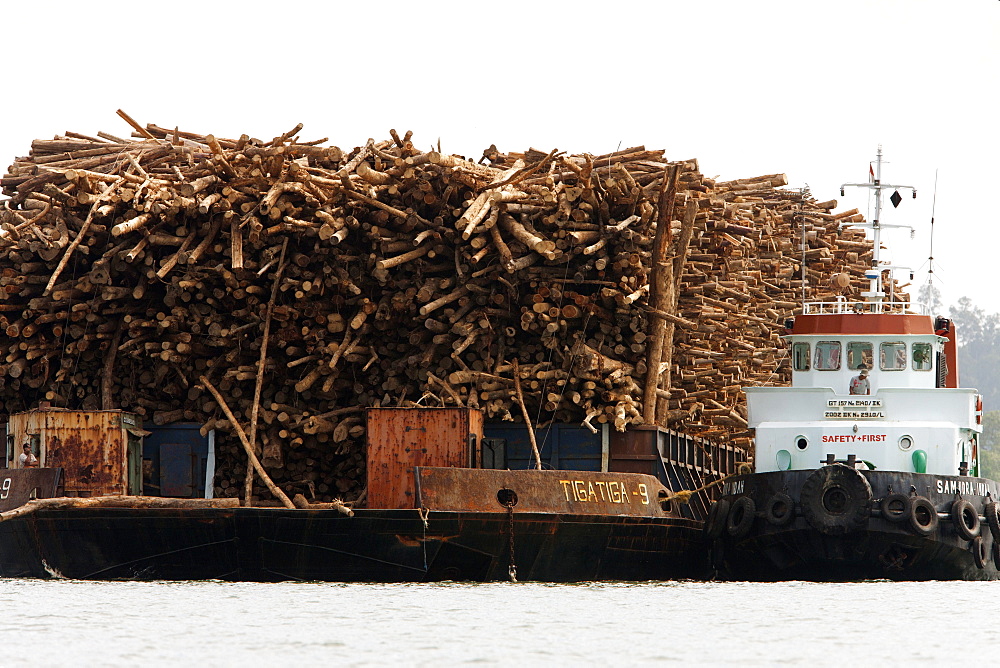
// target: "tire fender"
[[741, 517], [780, 510], [836, 500], [895, 507], [979, 552], [966, 519], [923, 517], [715, 524], [993, 519]]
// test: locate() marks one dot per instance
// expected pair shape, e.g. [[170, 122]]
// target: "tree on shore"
[[930, 297], [989, 446], [979, 367], [978, 350]]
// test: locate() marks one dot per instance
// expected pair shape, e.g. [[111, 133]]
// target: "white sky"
[[805, 88]]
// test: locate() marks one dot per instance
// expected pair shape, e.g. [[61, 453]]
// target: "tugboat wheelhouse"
[[911, 363]]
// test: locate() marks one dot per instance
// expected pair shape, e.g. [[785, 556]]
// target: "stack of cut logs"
[[622, 288]]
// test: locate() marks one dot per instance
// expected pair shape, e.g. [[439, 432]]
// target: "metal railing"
[[843, 305], [690, 462]]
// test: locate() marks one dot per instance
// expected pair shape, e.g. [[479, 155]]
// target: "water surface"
[[71, 623]]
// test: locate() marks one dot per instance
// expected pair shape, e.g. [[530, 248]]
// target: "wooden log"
[[527, 417], [275, 490], [261, 364], [661, 296]]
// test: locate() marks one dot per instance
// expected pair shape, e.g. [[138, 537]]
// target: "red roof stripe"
[[860, 324]]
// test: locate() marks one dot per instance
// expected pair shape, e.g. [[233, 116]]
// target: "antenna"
[[929, 296], [930, 257], [875, 292]]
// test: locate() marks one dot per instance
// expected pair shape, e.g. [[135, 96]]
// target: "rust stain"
[[401, 438], [90, 446], [85, 474]]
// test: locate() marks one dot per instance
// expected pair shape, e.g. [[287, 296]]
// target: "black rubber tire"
[[715, 524], [923, 516], [895, 507], [780, 510], [741, 517], [966, 519], [993, 519], [836, 500], [979, 552], [996, 554]]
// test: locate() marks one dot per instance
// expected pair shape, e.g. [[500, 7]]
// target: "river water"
[[72, 623]]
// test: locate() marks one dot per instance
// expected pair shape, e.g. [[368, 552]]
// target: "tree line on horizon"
[[979, 367]]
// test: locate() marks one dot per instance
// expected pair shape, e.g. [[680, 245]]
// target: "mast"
[[876, 292], [930, 256]]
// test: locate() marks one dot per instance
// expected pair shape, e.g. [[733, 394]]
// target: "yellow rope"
[[684, 495]]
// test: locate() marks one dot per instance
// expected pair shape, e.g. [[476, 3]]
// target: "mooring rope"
[[684, 495]]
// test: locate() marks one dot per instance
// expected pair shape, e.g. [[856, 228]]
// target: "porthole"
[[801, 442], [507, 497], [905, 442]]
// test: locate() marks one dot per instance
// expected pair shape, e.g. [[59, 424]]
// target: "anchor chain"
[[424, 513], [512, 568]]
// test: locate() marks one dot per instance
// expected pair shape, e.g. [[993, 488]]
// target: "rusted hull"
[[554, 492], [18, 486], [472, 524], [250, 544]]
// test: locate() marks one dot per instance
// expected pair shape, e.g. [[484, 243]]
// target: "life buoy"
[[895, 507], [741, 517], [966, 519], [836, 500], [979, 409], [715, 524], [979, 553], [923, 516], [993, 520], [780, 510]]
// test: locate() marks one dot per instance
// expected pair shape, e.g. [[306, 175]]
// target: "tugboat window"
[[858, 353], [800, 356], [828, 355], [892, 356], [922, 356], [801, 442]]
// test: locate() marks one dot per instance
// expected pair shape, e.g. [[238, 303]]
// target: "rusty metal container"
[[401, 438], [100, 452]]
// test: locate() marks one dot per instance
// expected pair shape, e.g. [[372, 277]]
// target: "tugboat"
[[866, 467]]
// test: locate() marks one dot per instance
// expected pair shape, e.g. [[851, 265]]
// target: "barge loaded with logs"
[[867, 466], [271, 296], [442, 505]]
